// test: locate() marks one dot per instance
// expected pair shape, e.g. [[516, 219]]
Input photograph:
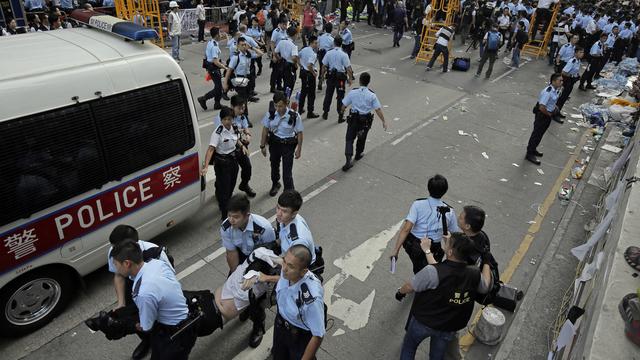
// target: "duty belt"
[[286, 141], [292, 329]]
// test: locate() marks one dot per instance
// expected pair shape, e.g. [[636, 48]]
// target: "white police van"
[[95, 130]]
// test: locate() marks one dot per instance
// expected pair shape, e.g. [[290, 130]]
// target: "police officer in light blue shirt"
[[300, 323], [363, 102], [337, 71], [240, 66], [544, 111], [277, 65], [257, 34], [214, 65], [282, 130], [325, 43], [123, 286], [161, 304], [596, 63], [242, 232], [425, 220], [570, 76], [626, 33], [566, 53], [308, 72], [287, 50], [291, 227], [347, 38]]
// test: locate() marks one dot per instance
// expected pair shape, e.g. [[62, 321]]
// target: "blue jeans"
[[417, 332], [175, 47], [515, 58], [416, 45]]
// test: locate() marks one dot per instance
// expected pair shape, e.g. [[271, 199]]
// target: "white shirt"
[[200, 12], [503, 21], [591, 27], [224, 140], [444, 35], [176, 24], [545, 4]]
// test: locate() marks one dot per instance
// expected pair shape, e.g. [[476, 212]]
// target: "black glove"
[[399, 295]]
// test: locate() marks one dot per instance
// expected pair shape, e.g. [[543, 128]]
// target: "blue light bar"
[[111, 24]]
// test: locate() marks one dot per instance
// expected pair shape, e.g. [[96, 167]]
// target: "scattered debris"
[[385, 106], [613, 149], [383, 72], [531, 222], [445, 118], [537, 183], [540, 172], [484, 154], [516, 165], [574, 129], [577, 116], [396, 119], [462, 133], [533, 261], [504, 180]]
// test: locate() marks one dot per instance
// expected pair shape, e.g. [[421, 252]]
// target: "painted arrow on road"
[[358, 263]]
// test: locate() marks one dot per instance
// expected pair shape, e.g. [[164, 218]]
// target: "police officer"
[[337, 71], [325, 43], [279, 34], [300, 322], [257, 34], [287, 51], [308, 73], [213, 66], [570, 76], [252, 44], [282, 130], [443, 301], [241, 121], [566, 53], [240, 68], [595, 63], [162, 306], [347, 38], [124, 285], [225, 140], [544, 110], [291, 227], [425, 220], [362, 101], [241, 233]]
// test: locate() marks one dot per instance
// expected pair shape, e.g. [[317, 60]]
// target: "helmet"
[[173, 4]]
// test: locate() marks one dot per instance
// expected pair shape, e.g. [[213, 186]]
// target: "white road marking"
[[214, 255], [210, 123], [358, 263], [406, 57], [509, 72], [365, 36], [397, 141]]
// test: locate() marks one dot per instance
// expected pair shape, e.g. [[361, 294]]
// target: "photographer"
[[425, 220], [443, 301]]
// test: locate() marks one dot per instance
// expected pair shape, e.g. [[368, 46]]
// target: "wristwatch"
[[427, 252]]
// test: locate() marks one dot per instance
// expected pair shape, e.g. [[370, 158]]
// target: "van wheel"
[[31, 301]]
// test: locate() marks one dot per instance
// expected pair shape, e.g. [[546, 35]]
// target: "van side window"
[[143, 127], [48, 158], [53, 156]]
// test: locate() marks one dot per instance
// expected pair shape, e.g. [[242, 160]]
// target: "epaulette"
[[549, 88], [219, 129], [293, 232], [305, 294], [257, 230], [421, 199]]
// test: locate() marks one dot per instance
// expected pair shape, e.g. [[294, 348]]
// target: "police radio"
[[443, 210]]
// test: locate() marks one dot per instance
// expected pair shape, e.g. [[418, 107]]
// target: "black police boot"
[[255, 338], [557, 119], [340, 118], [141, 350], [225, 96], [203, 102], [325, 115], [359, 156], [274, 189], [348, 164], [272, 90], [538, 153], [217, 106], [312, 115], [533, 159], [247, 189]]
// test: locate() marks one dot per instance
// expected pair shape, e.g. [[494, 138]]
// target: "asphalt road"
[[354, 215]]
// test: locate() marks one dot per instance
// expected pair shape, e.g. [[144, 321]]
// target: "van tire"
[[41, 293]]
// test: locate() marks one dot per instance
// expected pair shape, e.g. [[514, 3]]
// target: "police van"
[[97, 128]]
